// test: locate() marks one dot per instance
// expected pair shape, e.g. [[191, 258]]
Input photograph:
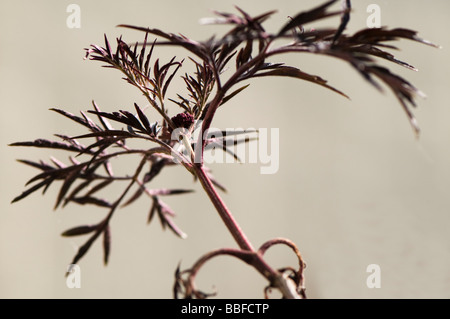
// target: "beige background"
[[354, 186]]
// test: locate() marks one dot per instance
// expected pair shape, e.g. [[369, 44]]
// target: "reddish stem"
[[224, 213], [275, 278]]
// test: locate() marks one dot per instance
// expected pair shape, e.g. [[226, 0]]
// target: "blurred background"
[[354, 185]]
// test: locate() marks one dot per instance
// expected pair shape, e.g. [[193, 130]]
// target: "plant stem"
[[223, 211], [275, 278]]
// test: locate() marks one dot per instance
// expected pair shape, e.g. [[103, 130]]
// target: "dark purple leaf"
[[144, 119], [94, 127], [169, 80], [244, 54], [371, 50], [124, 117], [112, 133], [42, 166], [169, 222], [134, 197], [102, 120], [190, 45], [85, 248], [233, 94], [296, 73], [309, 16], [108, 47], [80, 230], [75, 118], [99, 187], [102, 144], [375, 35], [76, 190], [91, 201], [42, 143], [153, 209], [70, 178], [27, 192], [166, 192], [345, 18], [106, 244], [133, 121]]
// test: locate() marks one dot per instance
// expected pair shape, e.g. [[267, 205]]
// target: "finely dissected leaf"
[[73, 142], [80, 230], [102, 160], [85, 248], [124, 117], [176, 230], [154, 170], [217, 184], [166, 192], [227, 133], [108, 47], [154, 192], [49, 144], [177, 286], [102, 144], [57, 163], [142, 54], [290, 71], [133, 121], [374, 36], [226, 54], [157, 71], [42, 166], [402, 89], [188, 44], [70, 178], [102, 120], [76, 190], [249, 45], [134, 197], [144, 119], [169, 80], [184, 104], [94, 127], [233, 94], [223, 144], [92, 201], [153, 209], [309, 16], [74, 161], [32, 189], [106, 244], [244, 54], [371, 50], [73, 117], [345, 18], [215, 145], [164, 213], [111, 133], [99, 187]]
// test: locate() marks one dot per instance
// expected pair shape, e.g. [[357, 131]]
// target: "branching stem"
[[274, 277]]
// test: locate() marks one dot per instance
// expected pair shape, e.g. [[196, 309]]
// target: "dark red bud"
[[183, 120]]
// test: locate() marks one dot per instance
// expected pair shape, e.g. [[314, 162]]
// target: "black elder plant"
[[222, 68]]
